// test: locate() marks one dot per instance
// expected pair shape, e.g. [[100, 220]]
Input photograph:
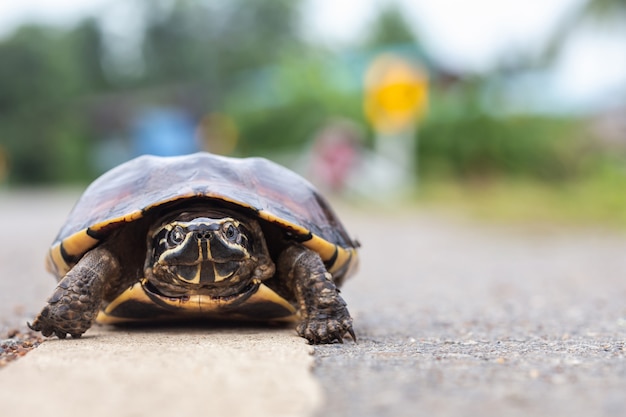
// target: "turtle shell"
[[258, 186]]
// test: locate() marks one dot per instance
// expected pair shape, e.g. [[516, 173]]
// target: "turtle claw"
[[50, 327], [328, 326], [351, 333], [324, 331]]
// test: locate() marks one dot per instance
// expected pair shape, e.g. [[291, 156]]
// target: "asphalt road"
[[461, 319], [453, 318]]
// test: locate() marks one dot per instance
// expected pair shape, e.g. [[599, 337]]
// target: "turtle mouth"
[[243, 293], [145, 302]]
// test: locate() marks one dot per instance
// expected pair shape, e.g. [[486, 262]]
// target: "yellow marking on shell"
[[55, 262], [134, 293], [130, 217], [316, 243], [275, 219], [79, 243], [343, 257], [76, 246], [352, 262], [325, 249]]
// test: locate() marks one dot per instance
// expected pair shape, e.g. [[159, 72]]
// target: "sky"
[[469, 36], [462, 35]]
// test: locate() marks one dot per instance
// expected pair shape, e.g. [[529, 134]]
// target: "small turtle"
[[200, 236]]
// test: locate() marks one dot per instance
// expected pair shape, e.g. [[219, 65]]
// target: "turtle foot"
[[326, 330], [75, 302], [49, 324]]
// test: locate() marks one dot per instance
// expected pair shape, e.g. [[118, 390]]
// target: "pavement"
[[164, 372], [453, 318], [457, 318]]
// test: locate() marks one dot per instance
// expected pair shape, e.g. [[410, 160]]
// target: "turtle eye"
[[176, 236], [232, 233]]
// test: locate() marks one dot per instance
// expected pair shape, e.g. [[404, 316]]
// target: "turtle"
[[200, 236]]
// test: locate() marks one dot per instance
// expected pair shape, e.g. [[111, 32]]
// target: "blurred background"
[[504, 109]]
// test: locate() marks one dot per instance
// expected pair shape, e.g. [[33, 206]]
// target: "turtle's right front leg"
[[73, 306]]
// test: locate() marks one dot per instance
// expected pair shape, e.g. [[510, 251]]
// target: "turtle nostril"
[[204, 235]]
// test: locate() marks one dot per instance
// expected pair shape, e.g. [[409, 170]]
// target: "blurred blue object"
[[164, 132]]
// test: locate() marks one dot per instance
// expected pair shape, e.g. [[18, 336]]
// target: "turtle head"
[[202, 253]]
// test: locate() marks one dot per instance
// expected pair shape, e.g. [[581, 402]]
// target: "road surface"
[[453, 319], [460, 319]]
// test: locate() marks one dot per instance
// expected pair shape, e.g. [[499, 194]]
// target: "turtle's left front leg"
[[325, 317], [73, 306]]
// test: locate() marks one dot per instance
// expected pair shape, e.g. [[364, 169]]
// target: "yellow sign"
[[396, 93]]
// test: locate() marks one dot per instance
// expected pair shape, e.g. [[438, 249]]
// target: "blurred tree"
[[50, 77], [243, 58], [486, 147], [210, 43], [391, 31], [88, 44], [34, 70], [390, 28], [279, 109], [37, 75], [604, 11]]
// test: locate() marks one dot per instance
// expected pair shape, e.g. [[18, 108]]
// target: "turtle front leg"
[[75, 302], [325, 317]]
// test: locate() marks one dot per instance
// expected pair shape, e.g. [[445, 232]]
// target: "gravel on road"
[[457, 318]]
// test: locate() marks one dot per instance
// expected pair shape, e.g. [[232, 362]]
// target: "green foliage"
[[390, 28], [245, 58], [52, 79], [37, 75], [461, 140], [35, 70], [293, 100], [211, 42], [596, 199], [485, 146]]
